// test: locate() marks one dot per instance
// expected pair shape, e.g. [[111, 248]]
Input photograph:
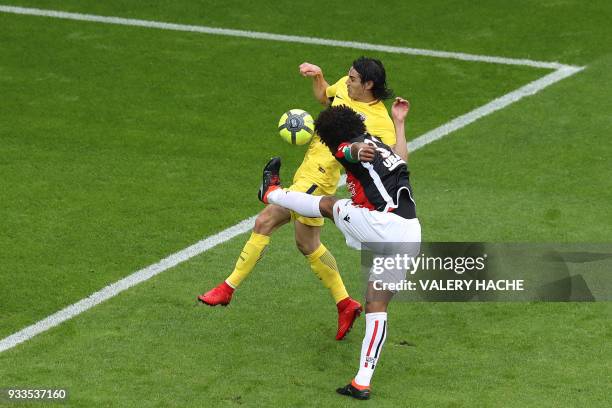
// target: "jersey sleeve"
[[331, 90], [340, 151], [340, 155], [385, 132]]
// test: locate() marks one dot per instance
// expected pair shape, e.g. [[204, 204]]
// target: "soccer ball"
[[296, 127]]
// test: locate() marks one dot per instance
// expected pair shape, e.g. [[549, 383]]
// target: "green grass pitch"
[[121, 145]]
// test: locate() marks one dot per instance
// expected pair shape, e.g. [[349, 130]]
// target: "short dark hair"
[[338, 124], [371, 69]]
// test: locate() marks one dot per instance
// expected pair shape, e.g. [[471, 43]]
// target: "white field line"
[[134, 279], [495, 105], [561, 72], [276, 37]]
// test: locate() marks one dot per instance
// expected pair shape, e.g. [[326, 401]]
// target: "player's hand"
[[363, 152], [400, 109], [310, 70]]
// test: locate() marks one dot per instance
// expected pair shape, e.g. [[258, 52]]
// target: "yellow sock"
[[251, 253], [323, 264]]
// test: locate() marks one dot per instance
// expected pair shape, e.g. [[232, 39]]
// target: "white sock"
[[371, 347], [302, 203]]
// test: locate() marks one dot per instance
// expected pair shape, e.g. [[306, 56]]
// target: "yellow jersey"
[[319, 167]]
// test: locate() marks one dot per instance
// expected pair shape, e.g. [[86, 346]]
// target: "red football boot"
[[348, 311], [220, 295]]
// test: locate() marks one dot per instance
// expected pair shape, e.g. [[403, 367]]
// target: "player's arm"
[[319, 84], [355, 152], [362, 152], [399, 111]]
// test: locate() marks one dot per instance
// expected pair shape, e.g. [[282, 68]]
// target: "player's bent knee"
[[307, 238], [270, 219], [307, 247]]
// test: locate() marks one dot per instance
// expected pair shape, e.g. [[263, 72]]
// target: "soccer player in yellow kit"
[[364, 89]]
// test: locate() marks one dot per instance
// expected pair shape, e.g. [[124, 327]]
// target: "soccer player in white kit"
[[380, 216]]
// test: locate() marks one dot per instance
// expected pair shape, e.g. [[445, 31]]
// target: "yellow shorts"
[[308, 187]]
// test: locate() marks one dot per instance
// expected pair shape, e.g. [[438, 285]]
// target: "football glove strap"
[[348, 156]]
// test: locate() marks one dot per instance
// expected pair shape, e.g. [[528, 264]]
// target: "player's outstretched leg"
[[266, 223], [249, 256], [271, 192], [269, 219]]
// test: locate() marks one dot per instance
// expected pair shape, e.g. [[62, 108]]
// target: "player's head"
[[367, 78], [338, 124]]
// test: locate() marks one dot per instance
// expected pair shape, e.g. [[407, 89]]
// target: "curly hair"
[[371, 69], [338, 124]]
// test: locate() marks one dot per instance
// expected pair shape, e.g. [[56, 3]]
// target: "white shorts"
[[385, 234]]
